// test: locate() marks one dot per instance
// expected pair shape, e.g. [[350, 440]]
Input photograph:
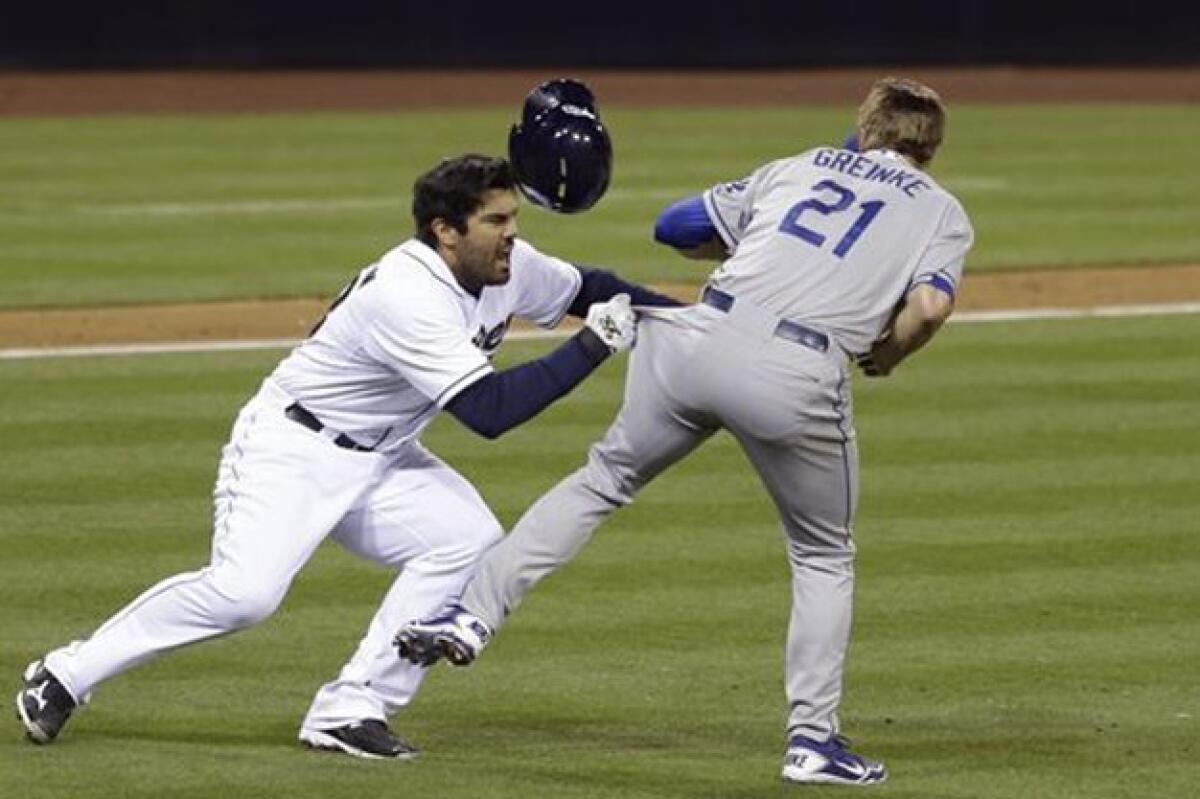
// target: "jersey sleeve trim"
[[452, 390], [941, 280], [578, 280], [723, 229]]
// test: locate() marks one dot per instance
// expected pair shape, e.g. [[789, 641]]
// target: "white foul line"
[[1029, 314], [1015, 315], [167, 347]]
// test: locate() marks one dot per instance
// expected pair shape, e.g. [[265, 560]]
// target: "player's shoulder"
[[417, 266], [528, 261], [411, 282], [736, 190], [524, 251], [788, 164], [934, 191], [953, 223], [956, 212]]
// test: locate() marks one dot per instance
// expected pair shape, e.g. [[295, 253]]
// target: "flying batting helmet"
[[560, 149], [553, 93]]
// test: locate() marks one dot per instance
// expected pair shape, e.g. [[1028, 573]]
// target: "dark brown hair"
[[454, 188]]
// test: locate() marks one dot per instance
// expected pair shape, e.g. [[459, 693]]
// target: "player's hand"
[[880, 360], [614, 322]]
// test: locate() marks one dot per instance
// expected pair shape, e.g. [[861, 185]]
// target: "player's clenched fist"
[[614, 322]]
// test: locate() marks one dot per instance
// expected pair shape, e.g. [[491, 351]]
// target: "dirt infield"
[[49, 93], [221, 321]]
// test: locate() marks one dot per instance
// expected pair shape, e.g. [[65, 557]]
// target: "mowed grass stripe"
[[1029, 569], [1045, 185]]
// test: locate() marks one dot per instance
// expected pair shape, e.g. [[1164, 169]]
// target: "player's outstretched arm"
[[926, 308], [600, 285], [686, 226], [498, 402]]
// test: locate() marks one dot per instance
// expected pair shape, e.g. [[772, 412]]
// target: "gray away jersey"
[[835, 239]]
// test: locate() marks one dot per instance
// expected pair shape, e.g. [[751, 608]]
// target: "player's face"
[[481, 255]]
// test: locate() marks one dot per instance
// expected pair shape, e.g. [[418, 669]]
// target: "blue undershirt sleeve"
[[599, 285], [684, 225], [493, 405]]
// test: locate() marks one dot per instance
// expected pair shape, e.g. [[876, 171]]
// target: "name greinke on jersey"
[[860, 166]]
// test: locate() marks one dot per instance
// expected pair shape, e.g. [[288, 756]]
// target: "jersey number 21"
[[843, 199]]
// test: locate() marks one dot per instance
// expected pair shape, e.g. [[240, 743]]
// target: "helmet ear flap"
[[560, 150], [530, 172]]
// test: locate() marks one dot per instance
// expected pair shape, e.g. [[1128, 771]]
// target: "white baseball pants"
[[281, 490]]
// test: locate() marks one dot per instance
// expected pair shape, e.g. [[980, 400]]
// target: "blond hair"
[[902, 115]]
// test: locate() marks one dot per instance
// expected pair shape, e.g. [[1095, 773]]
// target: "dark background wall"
[[593, 33]]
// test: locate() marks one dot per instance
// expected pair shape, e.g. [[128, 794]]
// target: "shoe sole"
[[412, 649], [825, 779], [322, 742], [456, 653], [33, 732]]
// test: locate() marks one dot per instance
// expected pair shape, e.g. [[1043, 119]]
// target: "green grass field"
[[1026, 619], [131, 209], [1029, 548]]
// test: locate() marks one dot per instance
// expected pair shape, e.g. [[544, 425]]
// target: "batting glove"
[[614, 322]]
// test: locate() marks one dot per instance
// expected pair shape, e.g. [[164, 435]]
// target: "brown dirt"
[[49, 93], [215, 321]]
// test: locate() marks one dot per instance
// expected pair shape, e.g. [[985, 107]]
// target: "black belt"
[[786, 329], [299, 414]]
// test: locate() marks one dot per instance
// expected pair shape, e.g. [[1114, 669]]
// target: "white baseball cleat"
[[829, 762], [455, 634]]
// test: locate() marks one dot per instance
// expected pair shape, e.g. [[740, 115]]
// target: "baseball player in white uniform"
[[329, 447], [823, 248]]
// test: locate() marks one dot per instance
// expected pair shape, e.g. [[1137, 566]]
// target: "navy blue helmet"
[[552, 94], [560, 150]]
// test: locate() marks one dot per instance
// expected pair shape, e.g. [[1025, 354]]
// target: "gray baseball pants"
[[696, 370]]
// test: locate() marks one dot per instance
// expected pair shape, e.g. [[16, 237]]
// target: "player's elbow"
[[489, 428], [479, 408], [930, 306], [711, 250], [490, 432], [684, 225], [664, 229]]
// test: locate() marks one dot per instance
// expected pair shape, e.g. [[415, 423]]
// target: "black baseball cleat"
[[43, 705], [370, 739]]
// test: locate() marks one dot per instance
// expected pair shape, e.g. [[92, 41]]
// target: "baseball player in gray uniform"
[[330, 447], [833, 256]]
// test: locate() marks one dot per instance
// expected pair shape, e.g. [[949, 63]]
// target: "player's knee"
[[480, 537], [484, 534], [253, 607], [462, 554], [244, 605], [827, 556], [610, 477]]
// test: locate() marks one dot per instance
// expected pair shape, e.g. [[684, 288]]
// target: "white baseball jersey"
[[405, 338], [835, 239], [400, 342]]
